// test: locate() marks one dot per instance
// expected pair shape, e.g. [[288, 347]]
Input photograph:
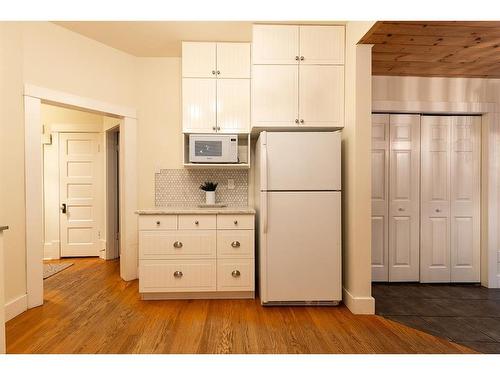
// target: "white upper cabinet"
[[215, 87], [199, 59], [275, 95], [322, 45], [321, 95], [198, 109], [275, 44], [233, 60], [298, 76], [233, 109]]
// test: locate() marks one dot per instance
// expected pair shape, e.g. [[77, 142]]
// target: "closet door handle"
[[63, 208]]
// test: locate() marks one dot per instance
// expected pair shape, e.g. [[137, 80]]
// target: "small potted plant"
[[209, 189]]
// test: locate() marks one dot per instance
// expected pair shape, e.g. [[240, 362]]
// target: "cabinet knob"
[[218, 127], [178, 274], [438, 210], [235, 244], [158, 222], [218, 72], [301, 58], [235, 273], [213, 72], [236, 222], [401, 209], [301, 121], [214, 128], [296, 58], [197, 222], [296, 120], [177, 244]]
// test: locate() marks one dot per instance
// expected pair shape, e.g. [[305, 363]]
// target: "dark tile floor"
[[464, 313]]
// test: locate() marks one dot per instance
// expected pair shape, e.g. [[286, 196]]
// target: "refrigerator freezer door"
[[303, 161], [301, 248]]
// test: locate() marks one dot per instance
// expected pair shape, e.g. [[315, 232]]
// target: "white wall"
[[459, 92]]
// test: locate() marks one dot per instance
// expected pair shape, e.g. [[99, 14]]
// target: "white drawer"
[[235, 243], [177, 244], [197, 222], [235, 274], [235, 221], [177, 276], [160, 222]]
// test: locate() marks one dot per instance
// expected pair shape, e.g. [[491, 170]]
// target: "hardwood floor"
[[89, 309]]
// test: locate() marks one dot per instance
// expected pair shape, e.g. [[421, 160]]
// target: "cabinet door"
[[321, 96], [275, 44], [233, 60], [275, 95], [198, 105], [404, 197], [435, 200], [380, 197], [199, 59], [322, 44], [233, 105], [465, 199]]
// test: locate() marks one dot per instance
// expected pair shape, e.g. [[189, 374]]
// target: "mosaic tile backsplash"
[[181, 187]]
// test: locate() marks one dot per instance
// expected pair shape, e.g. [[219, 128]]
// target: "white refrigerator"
[[298, 183]]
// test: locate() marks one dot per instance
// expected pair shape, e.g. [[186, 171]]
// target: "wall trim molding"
[[15, 307], [433, 107], [73, 101], [51, 250], [359, 305]]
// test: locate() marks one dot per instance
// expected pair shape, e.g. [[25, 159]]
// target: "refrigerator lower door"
[[301, 248]]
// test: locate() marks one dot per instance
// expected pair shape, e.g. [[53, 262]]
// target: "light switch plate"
[[230, 183]]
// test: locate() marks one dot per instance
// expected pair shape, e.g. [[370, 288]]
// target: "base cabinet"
[[196, 256]]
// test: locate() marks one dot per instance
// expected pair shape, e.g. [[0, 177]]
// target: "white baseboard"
[[51, 250], [15, 307], [359, 305]]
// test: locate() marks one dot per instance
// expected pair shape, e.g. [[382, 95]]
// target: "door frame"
[[490, 169], [34, 96]]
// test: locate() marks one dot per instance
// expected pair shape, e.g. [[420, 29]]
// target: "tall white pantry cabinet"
[[298, 77], [425, 198]]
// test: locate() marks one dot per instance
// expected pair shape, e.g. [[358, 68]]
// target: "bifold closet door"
[[380, 197], [450, 202], [404, 194]]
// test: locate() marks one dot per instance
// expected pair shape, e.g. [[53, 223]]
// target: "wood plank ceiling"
[[435, 48]]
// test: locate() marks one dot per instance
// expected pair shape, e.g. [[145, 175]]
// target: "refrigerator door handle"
[[264, 212], [264, 162]]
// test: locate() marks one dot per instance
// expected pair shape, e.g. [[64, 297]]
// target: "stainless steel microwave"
[[213, 148]]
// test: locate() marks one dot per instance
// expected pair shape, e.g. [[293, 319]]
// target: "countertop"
[[5, 227], [196, 210]]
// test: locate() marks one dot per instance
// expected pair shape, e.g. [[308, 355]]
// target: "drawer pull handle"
[[235, 244], [177, 244], [178, 274], [158, 222], [236, 222], [197, 222], [235, 273]]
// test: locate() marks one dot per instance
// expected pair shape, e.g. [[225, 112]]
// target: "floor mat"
[[50, 269]]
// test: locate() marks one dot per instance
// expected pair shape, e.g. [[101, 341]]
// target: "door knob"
[[63, 208]]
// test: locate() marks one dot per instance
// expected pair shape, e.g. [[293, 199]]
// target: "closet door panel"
[[380, 196], [435, 200], [465, 199], [404, 193]]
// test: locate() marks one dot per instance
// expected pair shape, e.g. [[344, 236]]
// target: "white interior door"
[[305, 266], [380, 197], [404, 197], [321, 95], [81, 189], [435, 199], [275, 95], [233, 105], [322, 44], [465, 198], [233, 60], [199, 59], [198, 105]]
